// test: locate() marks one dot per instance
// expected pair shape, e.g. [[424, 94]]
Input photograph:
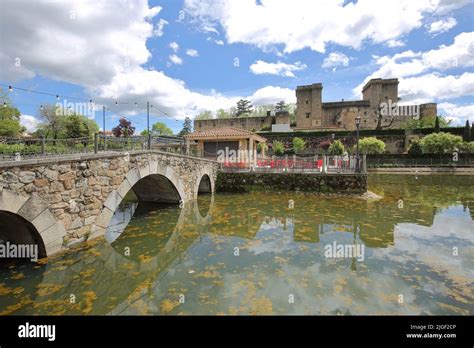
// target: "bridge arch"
[[28, 220], [204, 183], [153, 182]]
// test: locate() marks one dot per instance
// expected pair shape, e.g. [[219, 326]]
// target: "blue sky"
[[189, 56]]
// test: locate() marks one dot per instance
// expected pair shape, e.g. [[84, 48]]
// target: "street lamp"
[[357, 121]]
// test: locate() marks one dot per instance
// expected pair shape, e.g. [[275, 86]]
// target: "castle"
[[378, 109]]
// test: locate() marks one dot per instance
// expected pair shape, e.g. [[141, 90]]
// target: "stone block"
[[113, 200], [123, 189], [104, 218], [27, 177], [32, 208], [133, 176], [44, 221], [11, 201]]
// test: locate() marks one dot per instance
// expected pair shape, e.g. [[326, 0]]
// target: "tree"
[[336, 148], [278, 148], [10, 128], [124, 128], [441, 143], [79, 126], [205, 115], [9, 118], [371, 146], [298, 144], [159, 128], [436, 125], [467, 131], [281, 106], [425, 122], [415, 148], [52, 124], [187, 127], [221, 113], [244, 106]]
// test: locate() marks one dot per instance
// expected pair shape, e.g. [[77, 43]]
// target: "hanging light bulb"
[[4, 104], [41, 107], [116, 103], [10, 88], [57, 97]]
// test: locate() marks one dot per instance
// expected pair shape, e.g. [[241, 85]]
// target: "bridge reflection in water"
[[245, 254]]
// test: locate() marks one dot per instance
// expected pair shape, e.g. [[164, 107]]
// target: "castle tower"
[[378, 91], [309, 110]]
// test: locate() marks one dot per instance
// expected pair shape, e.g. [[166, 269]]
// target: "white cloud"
[[409, 63], [174, 46], [101, 39], [307, 23], [335, 59], [192, 52], [175, 59], [442, 25], [29, 122], [459, 114], [159, 29], [217, 42], [430, 87], [395, 43], [272, 95], [281, 69], [103, 50]]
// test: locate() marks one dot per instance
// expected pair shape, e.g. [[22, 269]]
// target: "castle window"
[[262, 121], [200, 125], [213, 124], [231, 123], [307, 101], [308, 114]]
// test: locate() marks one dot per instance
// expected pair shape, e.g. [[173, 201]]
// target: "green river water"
[[268, 253]]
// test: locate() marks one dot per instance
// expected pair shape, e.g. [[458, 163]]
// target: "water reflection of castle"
[[376, 222]]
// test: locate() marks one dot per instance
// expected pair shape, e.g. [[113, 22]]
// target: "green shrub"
[[336, 148], [371, 146], [467, 147], [278, 148], [415, 149], [441, 143], [298, 144]]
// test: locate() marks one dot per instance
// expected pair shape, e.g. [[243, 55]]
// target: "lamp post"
[[103, 127], [357, 121], [148, 125]]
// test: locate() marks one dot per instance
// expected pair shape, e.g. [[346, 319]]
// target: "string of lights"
[[116, 103]]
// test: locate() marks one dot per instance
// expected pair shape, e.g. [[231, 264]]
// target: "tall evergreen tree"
[[436, 127], [467, 131], [187, 127], [244, 106], [281, 106]]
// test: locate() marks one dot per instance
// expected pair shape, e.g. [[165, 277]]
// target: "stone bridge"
[[54, 202]]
